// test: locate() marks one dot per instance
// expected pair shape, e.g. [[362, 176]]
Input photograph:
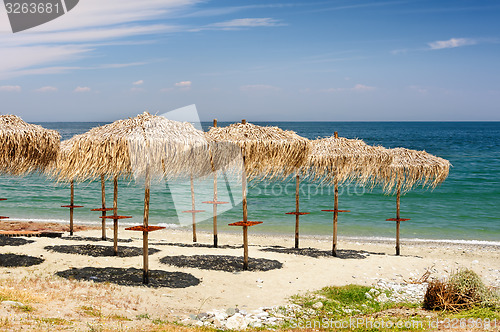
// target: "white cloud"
[[183, 84], [82, 89], [47, 89], [362, 87], [259, 87], [10, 88], [451, 43], [139, 82], [61, 40], [357, 87], [247, 22]]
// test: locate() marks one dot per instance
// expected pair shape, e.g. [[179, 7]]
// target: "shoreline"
[[85, 225]]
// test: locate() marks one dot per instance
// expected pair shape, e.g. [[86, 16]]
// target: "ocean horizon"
[[463, 208]]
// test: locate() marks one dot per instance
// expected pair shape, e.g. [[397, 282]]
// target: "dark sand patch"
[[131, 277], [316, 253], [221, 263], [93, 239], [13, 241], [196, 245], [99, 251], [14, 260]]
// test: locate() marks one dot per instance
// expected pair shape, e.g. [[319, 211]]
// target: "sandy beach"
[[193, 290]]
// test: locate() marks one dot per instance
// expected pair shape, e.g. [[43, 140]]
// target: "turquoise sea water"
[[465, 207]]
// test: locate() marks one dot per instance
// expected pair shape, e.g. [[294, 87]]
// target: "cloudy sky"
[[339, 60]]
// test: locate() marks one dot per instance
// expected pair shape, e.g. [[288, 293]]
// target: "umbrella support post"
[[335, 218], [193, 211], [215, 202], [115, 216], [296, 212], [398, 218], [71, 207], [103, 198], [104, 209], [115, 212], [71, 202], [3, 217], [245, 223], [193, 208], [215, 209], [145, 229], [336, 212]]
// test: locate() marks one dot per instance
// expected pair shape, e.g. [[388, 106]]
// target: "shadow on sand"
[[196, 245], [92, 239], [13, 241], [131, 277], [13, 260], [316, 253], [221, 263], [98, 250]]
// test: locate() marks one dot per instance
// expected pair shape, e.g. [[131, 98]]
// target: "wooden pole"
[[245, 216], [335, 217], [215, 123], [297, 193], [192, 208], [215, 209], [145, 273], [335, 212], [398, 196], [115, 212], [71, 203], [103, 196]]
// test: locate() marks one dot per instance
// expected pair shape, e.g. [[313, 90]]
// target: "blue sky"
[[346, 60]]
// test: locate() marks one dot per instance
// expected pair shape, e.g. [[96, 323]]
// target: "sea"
[[465, 208]]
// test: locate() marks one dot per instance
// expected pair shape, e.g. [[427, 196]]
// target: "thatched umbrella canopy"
[[26, 147], [335, 160], [411, 168], [266, 152], [146, 147]]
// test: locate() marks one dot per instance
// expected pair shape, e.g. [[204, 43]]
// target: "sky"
[[345, 60]]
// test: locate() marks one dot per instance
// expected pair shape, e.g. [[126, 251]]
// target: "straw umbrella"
[[25, 147], [410, 168], [266, 152], [146, 147], [335, 160]]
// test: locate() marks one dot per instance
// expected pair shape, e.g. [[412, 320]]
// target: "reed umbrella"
[[411, 168], [267, 152], [335, 160], [25, 147], [146, 147]]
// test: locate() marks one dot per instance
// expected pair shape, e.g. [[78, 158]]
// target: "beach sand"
[[361, 262]]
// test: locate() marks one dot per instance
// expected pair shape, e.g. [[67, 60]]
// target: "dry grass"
[[267, 151], [463, 290], [26, 147]]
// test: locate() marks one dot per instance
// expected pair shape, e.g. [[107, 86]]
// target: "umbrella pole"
[[398, 196], [335, 217], [103, 196], [193, 207], [245, 217], [72, 200], [115, 212], [145, 273], [297, 193], [215, 209]]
